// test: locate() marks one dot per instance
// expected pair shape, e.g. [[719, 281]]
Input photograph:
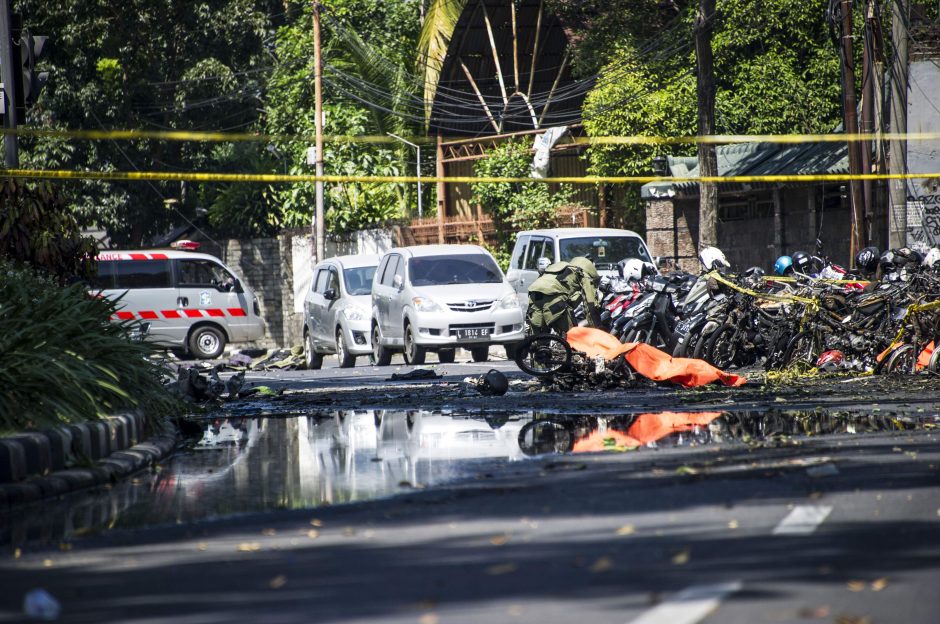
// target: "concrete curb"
[[39, 464]]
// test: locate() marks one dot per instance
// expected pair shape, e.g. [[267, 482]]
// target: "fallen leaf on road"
[[815, 613], [316, 522], [63, 546], [686, 470], [313, 534], [879, 584], [202, 546], [853, 619], [856, 586], [502, 568], [17, 553], [627, 529], [733, 524], [269, 532], [278, 582], [47, 563], [602, 565], [249, 547], [349, 531], [429, 618], [681, 557], [499, 540]]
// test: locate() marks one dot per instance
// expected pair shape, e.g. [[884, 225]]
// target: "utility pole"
[[897, 214], [707, 159], [857, 235], [9, 75], [318, 224]]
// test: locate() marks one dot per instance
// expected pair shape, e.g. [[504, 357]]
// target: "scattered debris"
[[414, 374]]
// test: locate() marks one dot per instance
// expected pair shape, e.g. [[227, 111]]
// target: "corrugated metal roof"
[[752, 159]]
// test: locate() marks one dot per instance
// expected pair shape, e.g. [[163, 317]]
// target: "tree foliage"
[[36, 228], [516, 206], [776, 71], [148, 65], [390, 27]]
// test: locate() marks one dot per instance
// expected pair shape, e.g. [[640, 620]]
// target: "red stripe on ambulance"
[[125, 316], [149, 315], [236, 312], [214, 312], [170, 314], [192, 313]]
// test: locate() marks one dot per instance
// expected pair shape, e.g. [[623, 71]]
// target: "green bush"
[[64, 361]]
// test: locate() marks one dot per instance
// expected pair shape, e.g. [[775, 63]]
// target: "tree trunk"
[[707, 159]]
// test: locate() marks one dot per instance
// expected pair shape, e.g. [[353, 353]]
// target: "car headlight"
[[355, 314], [509, 301], [425, 304]]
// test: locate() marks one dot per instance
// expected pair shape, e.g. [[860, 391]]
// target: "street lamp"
[[417, 147]]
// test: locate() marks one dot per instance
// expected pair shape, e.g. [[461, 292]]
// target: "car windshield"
[[604, 251], [359, 280], [462, 269]]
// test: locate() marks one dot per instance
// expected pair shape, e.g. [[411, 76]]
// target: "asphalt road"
[[839, 528]]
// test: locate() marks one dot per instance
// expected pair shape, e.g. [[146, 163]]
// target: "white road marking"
[[690, 605], [803, 520]]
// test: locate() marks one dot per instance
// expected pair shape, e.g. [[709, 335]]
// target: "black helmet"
[[494, 383], [754, 271], [866, 260], [802, 263], [906, 255]]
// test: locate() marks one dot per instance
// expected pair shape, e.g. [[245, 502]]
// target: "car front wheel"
[[380, 355], [343, 356], [414, 353]]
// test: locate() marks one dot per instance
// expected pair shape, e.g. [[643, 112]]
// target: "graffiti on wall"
[[923, 219]]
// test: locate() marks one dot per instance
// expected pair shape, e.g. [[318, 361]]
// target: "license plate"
[[473, 332]]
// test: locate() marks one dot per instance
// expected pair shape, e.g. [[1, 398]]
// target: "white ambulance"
[[192, 301]]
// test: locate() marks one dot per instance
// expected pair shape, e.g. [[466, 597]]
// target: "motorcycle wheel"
[[934, 365], [722, 349], [802, 348], [901, 361], [543, 355]]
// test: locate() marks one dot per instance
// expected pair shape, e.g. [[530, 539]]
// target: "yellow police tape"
[[816, 279], [753, 293], [275, 178], [209, 136]]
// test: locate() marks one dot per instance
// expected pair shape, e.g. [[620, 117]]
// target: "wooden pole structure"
[[857, 236], [441, 190], [707, 158]]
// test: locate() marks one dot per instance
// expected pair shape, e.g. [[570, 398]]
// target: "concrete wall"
[[923, 194], [754, 227]]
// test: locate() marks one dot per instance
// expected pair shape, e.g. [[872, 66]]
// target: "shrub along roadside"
[[64, 361]]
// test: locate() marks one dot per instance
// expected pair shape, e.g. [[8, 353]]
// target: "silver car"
[[438, 298], [336, 310]]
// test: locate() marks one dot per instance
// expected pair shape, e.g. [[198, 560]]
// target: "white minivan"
[[604, 246], [438, 298], [192, 301]]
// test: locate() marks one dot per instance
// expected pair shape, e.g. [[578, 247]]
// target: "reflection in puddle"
[[258, 464]]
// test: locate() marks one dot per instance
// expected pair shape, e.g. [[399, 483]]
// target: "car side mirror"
[[331, 294], [398, 282]]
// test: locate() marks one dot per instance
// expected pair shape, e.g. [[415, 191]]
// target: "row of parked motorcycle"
[[882, 316]]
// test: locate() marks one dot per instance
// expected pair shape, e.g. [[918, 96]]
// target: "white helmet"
[[631, 269], [712, 258], [931, 257]]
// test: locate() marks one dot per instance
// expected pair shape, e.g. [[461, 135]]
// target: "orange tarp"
[[649, 361], [645, 429]]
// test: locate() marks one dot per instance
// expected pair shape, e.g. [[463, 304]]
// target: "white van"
[[438, 298], [604, 246], [192, 301]]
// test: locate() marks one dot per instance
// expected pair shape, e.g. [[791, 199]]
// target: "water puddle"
[[244, 464]]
